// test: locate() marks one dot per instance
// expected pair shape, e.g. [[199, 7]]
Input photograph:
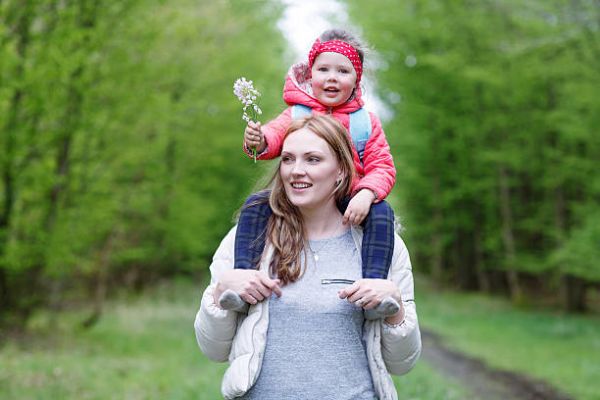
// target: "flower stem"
[[255, 119]]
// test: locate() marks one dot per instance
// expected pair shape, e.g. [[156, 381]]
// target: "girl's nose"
[[332, 76]]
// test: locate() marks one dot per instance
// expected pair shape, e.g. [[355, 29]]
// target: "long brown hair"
[[285, 230]]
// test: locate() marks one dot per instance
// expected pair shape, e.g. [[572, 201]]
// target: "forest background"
[[120, 143]]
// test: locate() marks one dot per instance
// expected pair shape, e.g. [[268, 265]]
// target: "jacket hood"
[[297, 90]]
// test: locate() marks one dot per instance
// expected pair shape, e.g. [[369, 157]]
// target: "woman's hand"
[[358, 207], [369, 293], [251, 285], [254, 138]]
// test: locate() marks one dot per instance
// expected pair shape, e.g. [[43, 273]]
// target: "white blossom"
[[248, 95]]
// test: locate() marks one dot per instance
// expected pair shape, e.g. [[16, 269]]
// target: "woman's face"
[[333, 79], [308, 170]]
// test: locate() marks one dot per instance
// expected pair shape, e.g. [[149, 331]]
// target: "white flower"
[[245, 92], [248, 95]]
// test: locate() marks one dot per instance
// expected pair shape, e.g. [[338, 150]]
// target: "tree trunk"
[[437, 260], [20, 31], [508, 238], [101, 282], [482, 279], [573, 290]]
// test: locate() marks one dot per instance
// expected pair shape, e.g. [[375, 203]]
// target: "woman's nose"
[[298, 168]]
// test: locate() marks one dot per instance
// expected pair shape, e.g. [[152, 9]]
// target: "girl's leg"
[[378, 241], [377, 251], [251, 231]]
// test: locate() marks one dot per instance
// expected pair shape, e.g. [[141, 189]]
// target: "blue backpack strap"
[[300, 111], [360, 130]]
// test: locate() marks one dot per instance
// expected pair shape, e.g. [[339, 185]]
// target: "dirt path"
[[484, 382]]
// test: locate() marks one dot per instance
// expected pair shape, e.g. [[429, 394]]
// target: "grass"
[[561, 349], [143, 348]]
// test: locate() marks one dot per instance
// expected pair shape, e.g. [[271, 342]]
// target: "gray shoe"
[[389, 306], [230, 300]]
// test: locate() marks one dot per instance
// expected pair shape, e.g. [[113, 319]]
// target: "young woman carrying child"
[[329, 83]]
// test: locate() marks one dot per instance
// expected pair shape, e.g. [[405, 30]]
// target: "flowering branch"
[[248, 95]]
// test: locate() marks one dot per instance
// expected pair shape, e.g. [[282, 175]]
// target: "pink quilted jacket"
[[378, 173]]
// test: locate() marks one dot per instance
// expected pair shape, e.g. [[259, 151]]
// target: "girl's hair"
[[345, 36], [285, 230]]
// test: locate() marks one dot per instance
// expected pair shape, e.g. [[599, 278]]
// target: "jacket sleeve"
[[274, 132], [401, 345], [379, 171], [215, 328]]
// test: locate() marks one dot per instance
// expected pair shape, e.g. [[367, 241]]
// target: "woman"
[[305, 335]]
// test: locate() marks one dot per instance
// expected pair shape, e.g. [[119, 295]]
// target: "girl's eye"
[[322, 69], [286, 159], [314, 159], [344, 71]]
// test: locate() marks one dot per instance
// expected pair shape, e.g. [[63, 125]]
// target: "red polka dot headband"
[[336, 46]]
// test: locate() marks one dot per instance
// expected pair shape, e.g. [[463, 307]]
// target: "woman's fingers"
[[369, 304], [260, 287], [252, 286], [368, 293], [271, 284], [348, 291], [264, 291]]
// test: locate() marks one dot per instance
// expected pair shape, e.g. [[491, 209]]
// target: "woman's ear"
[[339, 179]]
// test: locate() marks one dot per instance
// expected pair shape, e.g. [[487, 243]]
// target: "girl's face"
[[333, 79], [308, 170]]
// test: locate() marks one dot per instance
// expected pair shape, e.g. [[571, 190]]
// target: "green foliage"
[[120, 138], [494, 135], [579, 255]]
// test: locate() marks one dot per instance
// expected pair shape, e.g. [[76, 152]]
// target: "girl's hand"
[[251, 285], [369, 293], [254, 138], [358, 207]]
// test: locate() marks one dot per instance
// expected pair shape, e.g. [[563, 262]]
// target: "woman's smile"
[[301, 185]]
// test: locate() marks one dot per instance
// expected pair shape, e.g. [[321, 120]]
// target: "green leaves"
[[120, 138], [494, 134]]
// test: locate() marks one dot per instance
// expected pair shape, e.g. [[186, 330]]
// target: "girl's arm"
[[273, 132], [379, 171]]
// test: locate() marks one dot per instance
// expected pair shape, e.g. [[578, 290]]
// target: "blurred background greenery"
[[121, 169]]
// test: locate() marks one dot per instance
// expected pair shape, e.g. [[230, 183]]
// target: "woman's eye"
[[286, 159], [313, 159]]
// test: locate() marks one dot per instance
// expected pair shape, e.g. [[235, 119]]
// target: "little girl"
[[329, 83]]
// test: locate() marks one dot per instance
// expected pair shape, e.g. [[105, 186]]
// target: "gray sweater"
[[314, 344]]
